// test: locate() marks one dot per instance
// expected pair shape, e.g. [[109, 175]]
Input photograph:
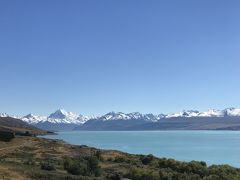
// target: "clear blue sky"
[[92, 56]]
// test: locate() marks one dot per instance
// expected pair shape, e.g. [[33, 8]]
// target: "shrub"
[[98, 155], [143, 174], [47, 166], [6, 136], [126, 159], [82, 166], [147, 159], [114, 177], [75, 167], [27, 133], [110, 159], [93, 164], [29, 161], [120, 159]]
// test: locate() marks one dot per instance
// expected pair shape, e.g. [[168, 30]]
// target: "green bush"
[[27, 133], [193, 167], [93, 166], [47, 166], [147, 159], [87, 166], [6, 136], [98, 155], [120, 159], [75, 167], [114, 177], [143, 174]]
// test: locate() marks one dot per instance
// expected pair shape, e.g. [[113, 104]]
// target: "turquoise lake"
[[213, 147]]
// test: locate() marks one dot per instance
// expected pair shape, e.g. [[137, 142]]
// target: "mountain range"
[[61, 120]]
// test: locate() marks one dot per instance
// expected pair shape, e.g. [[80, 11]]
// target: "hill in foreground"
[[18, 126], [35, 158]]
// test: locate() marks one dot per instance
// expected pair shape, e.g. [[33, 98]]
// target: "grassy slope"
[[18, 126], [22, 158]]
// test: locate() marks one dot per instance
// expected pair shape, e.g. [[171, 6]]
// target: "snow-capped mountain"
[[62, 114], [33, 119], [130, 116], [212, 113], [155, 118], [115, 116], [189, 113], [7, 115], [232, 112], [60, 120], [188, 120], [59, 116], [4, 115], [209, 113]]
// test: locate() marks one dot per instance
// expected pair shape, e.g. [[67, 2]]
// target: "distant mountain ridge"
[[63, 120], [59, 116], [60, 120]]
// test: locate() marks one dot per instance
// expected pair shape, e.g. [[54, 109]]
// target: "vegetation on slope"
[[19, 127], [6, 136], [37, 158]]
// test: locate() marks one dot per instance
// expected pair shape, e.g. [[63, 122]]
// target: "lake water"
[[213, 147]]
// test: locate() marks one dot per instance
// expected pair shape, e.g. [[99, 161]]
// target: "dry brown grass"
[[23, 157], [8, 173]]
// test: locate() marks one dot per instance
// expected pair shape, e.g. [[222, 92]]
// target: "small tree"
[[147, 159], [6, 136], [27, 133]]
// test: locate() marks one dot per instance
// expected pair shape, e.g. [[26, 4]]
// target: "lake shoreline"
[[42, 158], [209, 146]]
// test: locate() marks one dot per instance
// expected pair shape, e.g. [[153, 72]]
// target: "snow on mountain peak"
[[212, 113], [59, 116], [33, 119], [4, 115], [160, 116], [232, 111], [189, 113], [129, 116], [135, 115], [62, 116], [115, 116]]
